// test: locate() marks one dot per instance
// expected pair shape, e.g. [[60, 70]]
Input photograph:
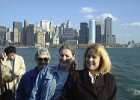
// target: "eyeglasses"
[[43, 59]]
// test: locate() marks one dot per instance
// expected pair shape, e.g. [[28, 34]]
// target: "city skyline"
[[125, 14]]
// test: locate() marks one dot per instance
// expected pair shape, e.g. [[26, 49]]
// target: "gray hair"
[[42, 51]]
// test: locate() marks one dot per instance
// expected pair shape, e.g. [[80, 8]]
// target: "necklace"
[[93, 77]]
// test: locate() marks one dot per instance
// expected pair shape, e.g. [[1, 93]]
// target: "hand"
[[69, 60], [17, 74], [3, 61]]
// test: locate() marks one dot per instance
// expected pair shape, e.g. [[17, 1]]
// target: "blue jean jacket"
[[45, 84], [26, 84]]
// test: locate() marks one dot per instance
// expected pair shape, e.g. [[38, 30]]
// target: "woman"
[[51, 80], [94, 82], [42, 58]]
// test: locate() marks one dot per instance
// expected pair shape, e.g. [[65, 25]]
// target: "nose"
[[91, 59], [64, 58]]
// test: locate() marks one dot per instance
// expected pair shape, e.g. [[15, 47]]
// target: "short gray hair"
[[42, 51]]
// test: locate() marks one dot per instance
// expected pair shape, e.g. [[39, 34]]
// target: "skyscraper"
[[99, 31], [92, 30], [17, 31], [24, 34], [108, 30], [109, 38], [84, 33]]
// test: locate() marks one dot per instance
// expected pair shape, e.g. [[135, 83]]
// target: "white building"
[[92, 30]]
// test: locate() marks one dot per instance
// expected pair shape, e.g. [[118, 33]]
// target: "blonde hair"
[[105, 62]]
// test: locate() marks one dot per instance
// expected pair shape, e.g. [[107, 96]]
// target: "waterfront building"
[[17, 31], [108, 30], [92, 30], [99, 32], [44, 24], [68, 25], [31, 35], [83, 33], [24, 34], [40, 38], [2, 34], [109, 38]]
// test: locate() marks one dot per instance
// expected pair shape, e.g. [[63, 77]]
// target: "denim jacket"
[[45, 84], [26, 84]]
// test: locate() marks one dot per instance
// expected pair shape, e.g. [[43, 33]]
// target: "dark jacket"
[[26, 84], [79, 87]]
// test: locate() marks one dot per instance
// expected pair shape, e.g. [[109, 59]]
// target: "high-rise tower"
[[92, 30], [84, 33]]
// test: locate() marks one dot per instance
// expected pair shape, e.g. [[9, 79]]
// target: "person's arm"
[[20, 93], [37, 88], [68, 89], [22, 68]]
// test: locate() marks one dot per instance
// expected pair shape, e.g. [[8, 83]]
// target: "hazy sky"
[[125, 14]]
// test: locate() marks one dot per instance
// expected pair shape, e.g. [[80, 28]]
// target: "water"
[[125, 67]]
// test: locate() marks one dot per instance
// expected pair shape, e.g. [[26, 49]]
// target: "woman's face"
[[65, 59], [92, 60]]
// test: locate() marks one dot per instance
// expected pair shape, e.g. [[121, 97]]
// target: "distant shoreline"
[[59, 45]]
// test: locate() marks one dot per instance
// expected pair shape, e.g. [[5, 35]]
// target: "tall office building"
[[109, 38], [30, 35], [17, 31], [99, 31], [108, 26], [108, 30], [68, 25], [24, 34], [92, 30], [2, 34], [44, 24], [40, 38], [83, 33]]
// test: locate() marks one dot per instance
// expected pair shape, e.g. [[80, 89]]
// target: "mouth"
[[90, 63]]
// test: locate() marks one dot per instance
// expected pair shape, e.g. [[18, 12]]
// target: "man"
[[12, 68], [42, 58]]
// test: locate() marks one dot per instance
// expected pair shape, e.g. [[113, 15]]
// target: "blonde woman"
[[94, 82]]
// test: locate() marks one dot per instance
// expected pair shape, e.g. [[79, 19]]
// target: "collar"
[[100, 81]]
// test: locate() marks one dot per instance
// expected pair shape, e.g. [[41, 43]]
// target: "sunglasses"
[[43, 59]]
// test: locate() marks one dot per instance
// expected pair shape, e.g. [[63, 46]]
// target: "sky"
[[125, 14]]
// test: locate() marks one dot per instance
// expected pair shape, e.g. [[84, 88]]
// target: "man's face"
[[43, 60], [11, 56]]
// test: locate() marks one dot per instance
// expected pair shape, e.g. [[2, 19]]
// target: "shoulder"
[[29, 73], [109, 77], [19, 57], [76, 73]]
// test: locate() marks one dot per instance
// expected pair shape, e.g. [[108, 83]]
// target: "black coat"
[[79, 87]]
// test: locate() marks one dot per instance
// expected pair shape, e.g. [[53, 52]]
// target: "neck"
[[93, 72]]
